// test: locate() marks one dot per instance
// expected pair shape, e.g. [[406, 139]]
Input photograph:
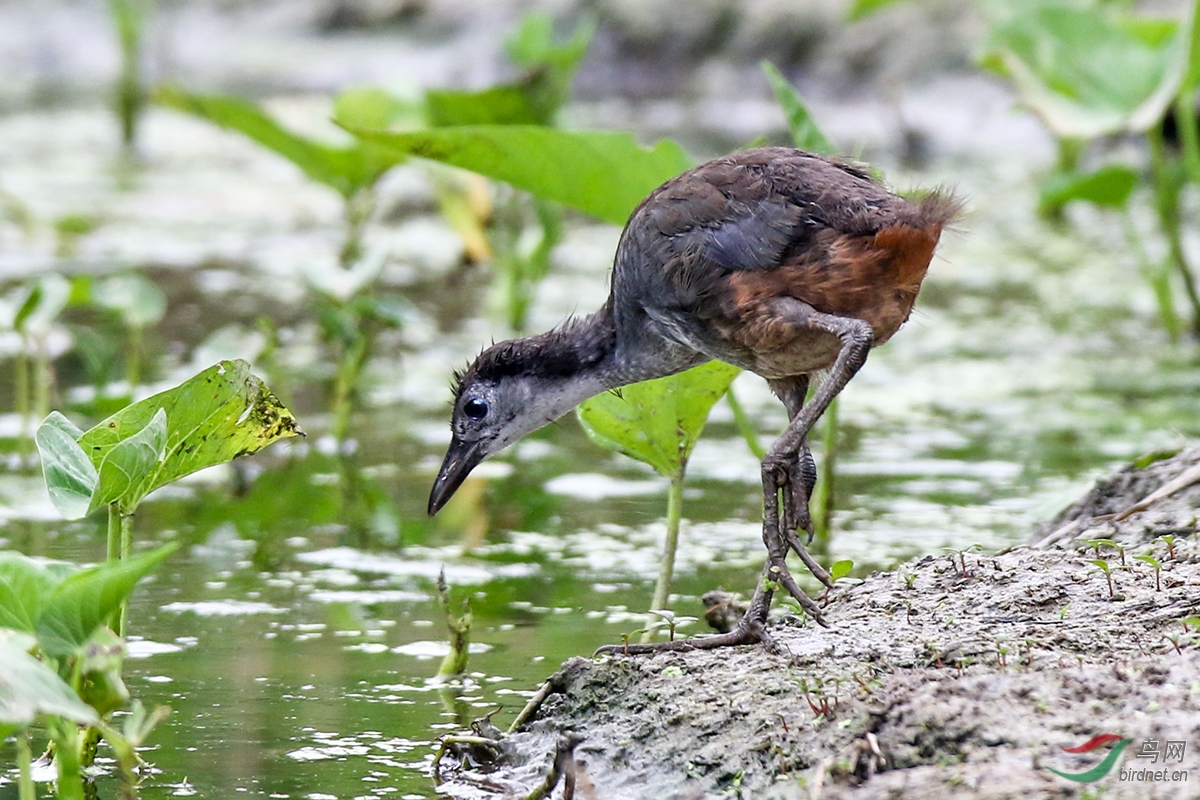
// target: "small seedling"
[[1103, 566], [1153, 562], [910, 579], [1173, 638], [672, 621], [626, 637], [961, 565], [1169, 541]]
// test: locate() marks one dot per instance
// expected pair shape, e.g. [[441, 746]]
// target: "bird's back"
[[706, 257]]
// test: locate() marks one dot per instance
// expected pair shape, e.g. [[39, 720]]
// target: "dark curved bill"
[[461, 458]]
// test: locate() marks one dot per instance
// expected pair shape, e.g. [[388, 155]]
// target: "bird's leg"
[[785, 468], [797, 490]]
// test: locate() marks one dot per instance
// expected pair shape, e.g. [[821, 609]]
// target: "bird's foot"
[[748, 631], [794, 481], [778, 572]]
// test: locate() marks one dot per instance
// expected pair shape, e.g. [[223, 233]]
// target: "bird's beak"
[[461, 458]]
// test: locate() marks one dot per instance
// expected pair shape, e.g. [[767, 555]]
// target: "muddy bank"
[[954, 676]]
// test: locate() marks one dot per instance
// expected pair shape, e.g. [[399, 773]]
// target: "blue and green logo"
[[1104, 767]]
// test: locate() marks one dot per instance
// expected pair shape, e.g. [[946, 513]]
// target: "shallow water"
[[295, 634]]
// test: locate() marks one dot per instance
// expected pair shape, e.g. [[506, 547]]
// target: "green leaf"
[[861, 9], [25, 585], [602, 173], [508, 104], [658, 422], [81, 603], [138, 301], [70, 475], [345, 169], [29, 688], [45, 301], [840, 569], [128, 466], [805, 132], [220, 414], [371, 107], [1108, 187], [1092, 71]]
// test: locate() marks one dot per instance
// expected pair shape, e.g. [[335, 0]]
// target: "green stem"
[[129, 20], [133, 360], [66, 757], [41, 378], [359, 207], [666, 568], [354, 358], [120, 547], [1166, 195], [25, 764], [23, 398], [1157, 275], [745, 425], [824, 493], [1189, 130]]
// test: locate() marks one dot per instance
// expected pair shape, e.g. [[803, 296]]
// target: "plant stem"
[[1166, 195], [133, 360], [1158, 276], [354, 357], [66, 757], [666, 568], [120, 547], [128, 19], [359, 207], [25, 763], [41, 378], [745, 425], [23, 398], [822, 499]]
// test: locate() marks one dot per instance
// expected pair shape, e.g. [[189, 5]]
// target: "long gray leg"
[[782, 470]]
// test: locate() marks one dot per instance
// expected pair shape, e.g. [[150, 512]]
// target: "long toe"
[[813, 565], [779, 572]]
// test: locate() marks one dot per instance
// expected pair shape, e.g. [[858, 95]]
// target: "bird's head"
[[512, 389]]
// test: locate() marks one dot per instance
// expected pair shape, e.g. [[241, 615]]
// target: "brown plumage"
[[778, 261]]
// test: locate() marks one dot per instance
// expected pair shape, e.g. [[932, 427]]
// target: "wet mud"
[[962, 675]]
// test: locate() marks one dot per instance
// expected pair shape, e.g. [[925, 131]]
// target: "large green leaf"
[[220, 414], [658, 421], [1108, 187], [70, 475], [1092, 70], [806, 134], [83, 602], [29, 688], [25, 586], [346, 169], [605, 174]]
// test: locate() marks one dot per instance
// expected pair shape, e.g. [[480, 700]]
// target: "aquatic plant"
[[1095, 70], [129, 21], [658, 422], [63, 664], [220, 414], [32, 310]]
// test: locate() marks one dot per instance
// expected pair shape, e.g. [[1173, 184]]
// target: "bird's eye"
[[475, 408]]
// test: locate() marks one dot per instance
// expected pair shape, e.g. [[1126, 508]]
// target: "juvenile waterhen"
[[775, 260]]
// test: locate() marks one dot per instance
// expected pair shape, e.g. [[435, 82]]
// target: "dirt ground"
[[951, 677]]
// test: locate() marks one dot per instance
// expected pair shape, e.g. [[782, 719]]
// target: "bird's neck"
[[583, 358]]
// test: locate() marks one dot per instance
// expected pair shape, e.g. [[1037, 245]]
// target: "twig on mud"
[[535, 702], [1180, 481]]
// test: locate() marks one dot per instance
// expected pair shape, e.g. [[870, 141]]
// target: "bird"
[[783, 262]]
